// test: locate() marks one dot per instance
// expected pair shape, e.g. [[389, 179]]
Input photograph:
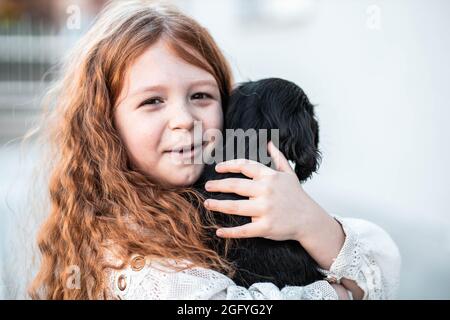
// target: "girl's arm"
[[324, 242]]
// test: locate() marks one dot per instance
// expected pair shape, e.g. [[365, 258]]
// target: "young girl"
[[123, 222]]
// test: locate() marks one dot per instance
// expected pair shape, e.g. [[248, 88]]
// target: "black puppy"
[[268, 104]]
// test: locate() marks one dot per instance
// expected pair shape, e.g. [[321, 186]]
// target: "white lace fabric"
[[368, 256]]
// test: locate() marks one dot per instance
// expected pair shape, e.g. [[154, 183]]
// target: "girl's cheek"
[[144, 136], [214, 118], [151, 140]]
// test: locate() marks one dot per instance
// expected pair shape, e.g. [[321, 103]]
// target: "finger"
[[241, 186], [235, 207], [249, 168], [249, 230], [280, 161]]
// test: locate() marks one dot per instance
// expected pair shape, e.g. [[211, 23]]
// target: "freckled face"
[[162, 99]]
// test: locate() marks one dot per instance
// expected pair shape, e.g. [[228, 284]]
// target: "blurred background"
[[378, 71]]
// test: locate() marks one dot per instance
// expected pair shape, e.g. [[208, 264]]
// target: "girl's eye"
[[201, 95], [152, 101]]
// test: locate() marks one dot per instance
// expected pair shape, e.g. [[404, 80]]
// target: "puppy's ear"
[[299, 142]]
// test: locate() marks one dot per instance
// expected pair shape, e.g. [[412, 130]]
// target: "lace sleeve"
[[369, 257], [153, 281]]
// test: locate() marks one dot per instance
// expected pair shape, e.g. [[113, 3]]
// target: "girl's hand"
[[277, 204], [341, 291]]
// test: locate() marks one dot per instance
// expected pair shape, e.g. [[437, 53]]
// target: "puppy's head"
[[278, 104]]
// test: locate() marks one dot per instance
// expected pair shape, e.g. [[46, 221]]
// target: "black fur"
[[269, 104]]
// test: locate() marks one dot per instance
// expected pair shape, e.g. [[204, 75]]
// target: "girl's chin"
[[184, 177]]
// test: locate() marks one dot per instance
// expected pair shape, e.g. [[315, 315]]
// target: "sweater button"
[[121, 282], [138, 263]]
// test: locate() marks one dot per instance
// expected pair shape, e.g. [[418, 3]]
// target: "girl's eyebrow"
[[162, 87], [148, 88], [204, 82]]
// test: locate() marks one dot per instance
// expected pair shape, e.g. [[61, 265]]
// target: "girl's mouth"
[[187, 151]]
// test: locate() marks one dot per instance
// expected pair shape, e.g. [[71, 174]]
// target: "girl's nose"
[[181, 118]]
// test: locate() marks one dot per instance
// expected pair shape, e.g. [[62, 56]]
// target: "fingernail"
[[206, 203], [220, 232], [207, 185]]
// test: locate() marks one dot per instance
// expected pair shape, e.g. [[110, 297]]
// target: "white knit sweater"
[[369, 256]]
